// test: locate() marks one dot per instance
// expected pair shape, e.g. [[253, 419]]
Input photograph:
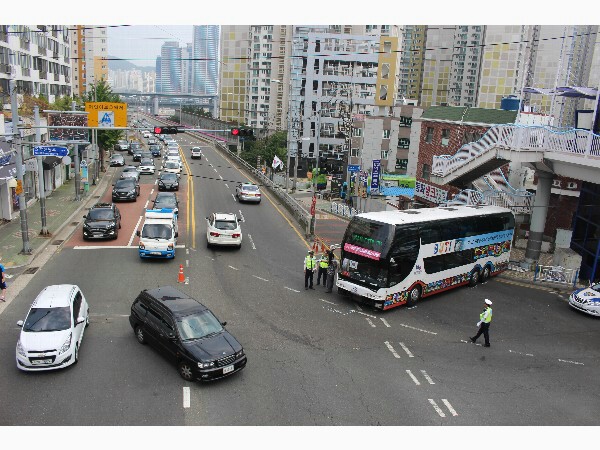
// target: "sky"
[[140, 44]]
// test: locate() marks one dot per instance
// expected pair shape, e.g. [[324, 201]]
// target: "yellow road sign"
[[106, 114], [19, 188]]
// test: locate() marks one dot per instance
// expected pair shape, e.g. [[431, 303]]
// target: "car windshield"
[[165, 202], [147, 162], [125, 184], [156, 231], [168, 177], [129, 169], [250, 188], [198, 326], [225, 224], [172, 165], [101, 214], [48, 319], [595, 287]]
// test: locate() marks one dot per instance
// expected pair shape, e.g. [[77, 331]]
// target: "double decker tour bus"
[[391, 258]]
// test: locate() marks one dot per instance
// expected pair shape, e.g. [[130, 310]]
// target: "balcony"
[[55, 56], [42, 50], [43, 75], [24, 44], [4, 68], [26, 72], [56, 77]]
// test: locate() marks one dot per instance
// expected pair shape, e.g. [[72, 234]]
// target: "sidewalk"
[[61, 209]]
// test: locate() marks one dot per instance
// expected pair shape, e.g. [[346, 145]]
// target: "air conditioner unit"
[[571, 185], [556, 183]]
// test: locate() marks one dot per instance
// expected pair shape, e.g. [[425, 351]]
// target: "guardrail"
[[556, 274]]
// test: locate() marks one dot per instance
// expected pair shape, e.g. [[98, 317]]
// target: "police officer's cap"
[[488, 302], [311, 251]]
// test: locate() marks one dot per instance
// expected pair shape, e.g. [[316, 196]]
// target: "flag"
[[277, 162]]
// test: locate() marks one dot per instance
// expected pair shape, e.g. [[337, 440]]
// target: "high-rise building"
[[89, 50], [205, 51], [158, 85], [410, 72], [170, 68], [186, 68], [233, 73]]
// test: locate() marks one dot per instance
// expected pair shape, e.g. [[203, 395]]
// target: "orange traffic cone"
[[181, 278]]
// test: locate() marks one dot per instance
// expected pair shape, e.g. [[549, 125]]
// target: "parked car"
[[187, 332], [587, 300], [126, 189], [168, 182], [53, 329], [146, 166], [117, 160], [223, 229], [248, 192], [166, 200], [130, 172], [196, 153], [103, 221]]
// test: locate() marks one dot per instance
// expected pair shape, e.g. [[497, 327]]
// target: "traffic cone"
[[181, 278]]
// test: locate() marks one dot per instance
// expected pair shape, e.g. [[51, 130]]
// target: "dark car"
[[168, 182], [137, 154], [125, 189], [166, 200], [133, 146], [187, 332], [102, 222], [154, 149]]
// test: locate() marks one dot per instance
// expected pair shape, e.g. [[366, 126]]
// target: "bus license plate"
[[227, 369]]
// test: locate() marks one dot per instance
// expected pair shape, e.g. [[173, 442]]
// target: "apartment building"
[[89, 50], [205, 64], [234, 73]]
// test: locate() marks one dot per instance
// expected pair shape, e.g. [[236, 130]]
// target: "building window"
[[384, 154], [356, 132], [429, 135], [445, 137], [386, 134], [426, 171]]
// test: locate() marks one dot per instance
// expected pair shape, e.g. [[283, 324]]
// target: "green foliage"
[[196, 111], [266, 148], [103, 93], [63, 103]]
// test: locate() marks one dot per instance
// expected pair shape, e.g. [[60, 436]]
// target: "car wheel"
[[119, 224], [87, 319], [139, 334], [485, 274], [76, 355], [238, 246], [414, 295], [186, 371], [207, 244], [474, 278]]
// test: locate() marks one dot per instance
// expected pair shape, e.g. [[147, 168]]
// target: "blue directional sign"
[[353, 167], [50, 150]]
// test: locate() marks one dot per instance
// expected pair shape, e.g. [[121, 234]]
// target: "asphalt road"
[[313, 358]]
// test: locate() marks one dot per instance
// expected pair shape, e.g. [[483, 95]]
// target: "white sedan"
[[53, 329], [172, 166]]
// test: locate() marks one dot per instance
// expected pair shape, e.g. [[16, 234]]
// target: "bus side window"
[[434, 264], [430, 233], [403, 254], [449, 229], [508, 221]]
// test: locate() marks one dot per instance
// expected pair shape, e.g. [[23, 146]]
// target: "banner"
[[375, 176], [430, 193], [68, 119]]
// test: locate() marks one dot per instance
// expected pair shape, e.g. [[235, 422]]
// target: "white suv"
[[196, 153], [53, 329], [223, 229]]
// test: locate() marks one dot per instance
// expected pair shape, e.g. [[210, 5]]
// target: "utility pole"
[[77, 174], [19, 161], [40, 171]]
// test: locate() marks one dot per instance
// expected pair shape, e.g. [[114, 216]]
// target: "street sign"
[[50, 150], [353, 167], [106, 114]]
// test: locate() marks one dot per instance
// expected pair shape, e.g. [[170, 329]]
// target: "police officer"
[[309, 269], [331, 270], [485, 319], [323, 265]]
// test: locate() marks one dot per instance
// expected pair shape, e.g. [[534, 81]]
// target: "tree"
[[102, 92], [266, 148]]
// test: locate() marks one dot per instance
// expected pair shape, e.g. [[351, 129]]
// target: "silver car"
[[248, 192], [131, 172]]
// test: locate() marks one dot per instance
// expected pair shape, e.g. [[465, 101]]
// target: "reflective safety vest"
[[310, 262], [323, 264], [486, 315]]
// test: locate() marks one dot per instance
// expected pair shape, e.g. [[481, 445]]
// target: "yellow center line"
[[191, 215]]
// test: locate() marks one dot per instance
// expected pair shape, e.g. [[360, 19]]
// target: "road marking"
[[233, 268], [242, 215], [417, 382], [450, 408], [102, 247], [263, 279], [187, 251], [146, 205], [152, 191], [365, 314], [519, 353], [226, 185], [437, 408], [418, 329], [427, 377], [327, 301], [572, 362], [134, 230], [391, 349], [220, 177], [370, 322], [252, 242], [410, 355], [186, 397], [215, 170], [289, 288], [187, 263], [234, 199], [385, 323]]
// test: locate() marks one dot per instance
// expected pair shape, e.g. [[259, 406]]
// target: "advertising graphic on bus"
[[391, 258]]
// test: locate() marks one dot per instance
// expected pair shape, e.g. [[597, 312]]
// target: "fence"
[[343, 210], [556, 274]]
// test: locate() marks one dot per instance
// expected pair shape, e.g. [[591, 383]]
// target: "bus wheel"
[[474, 278], [485, 274], [414, 295]]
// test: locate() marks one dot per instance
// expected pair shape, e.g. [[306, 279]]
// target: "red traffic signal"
[[235, 131], [166, 130], [242, 132]]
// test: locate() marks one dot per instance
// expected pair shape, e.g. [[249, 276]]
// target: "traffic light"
[[166, 130], [235, 131], [242, 132]]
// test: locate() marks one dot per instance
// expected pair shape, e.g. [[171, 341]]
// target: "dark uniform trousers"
[[322, 273], [484, 329], [308, 275]]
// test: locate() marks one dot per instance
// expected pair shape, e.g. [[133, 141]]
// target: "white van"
[[158, 237]]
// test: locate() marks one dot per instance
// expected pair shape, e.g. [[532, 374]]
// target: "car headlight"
[[20, 349], [86, 226], [66, 346], [239, 354], [131, 192], [206, 365], [142, 246]]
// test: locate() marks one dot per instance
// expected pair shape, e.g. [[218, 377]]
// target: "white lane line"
[[572, 362], [134, 230], [215, 169], [234, 199], [155, 182], [437, 408], [370, 322], [365, 314], [220, 177], [233, 268], [226, 185], [146, 205], [418, 329], [519, 353], [252, 242], [326, 301], [450, 408], [417, 382], [242, 215], [427, 377], [263, 279], [391, 349], [186, 397], [187, 263], [110, 247], [187, 251], [385, 323], [152, 191], [210, 164], [289, 288], [410, 355]]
